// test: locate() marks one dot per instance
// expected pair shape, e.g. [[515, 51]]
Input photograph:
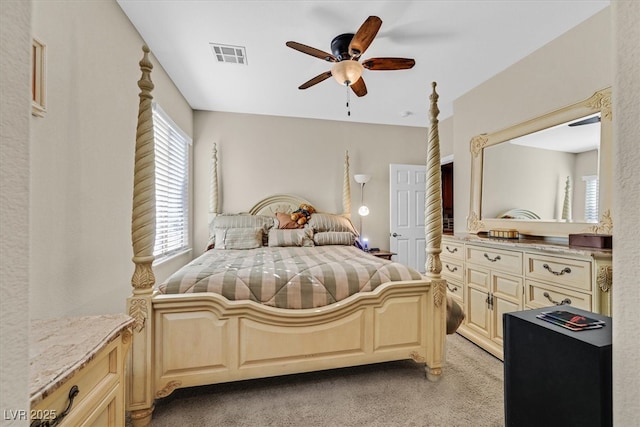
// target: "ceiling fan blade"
[[388, 63], [317, 79], [365, 35], [590, 120], [359, 88], [312, 51]]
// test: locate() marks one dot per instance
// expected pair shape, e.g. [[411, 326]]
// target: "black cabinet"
[[554, 376]]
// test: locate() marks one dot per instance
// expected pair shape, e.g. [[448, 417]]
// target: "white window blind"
[[591, 198], [172, 185]]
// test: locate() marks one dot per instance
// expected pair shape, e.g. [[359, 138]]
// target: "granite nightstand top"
[[58, 348]]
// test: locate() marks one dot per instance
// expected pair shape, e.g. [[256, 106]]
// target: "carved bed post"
[[346, 188], [433, 234], [213, 184], [143, 225]]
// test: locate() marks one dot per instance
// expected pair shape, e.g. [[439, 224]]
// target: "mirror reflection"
[[549, 175]]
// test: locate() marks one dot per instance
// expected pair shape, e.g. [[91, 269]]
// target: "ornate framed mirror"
[[549, 176]]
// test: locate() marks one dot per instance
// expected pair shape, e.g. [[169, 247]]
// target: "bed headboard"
[[278, 203]]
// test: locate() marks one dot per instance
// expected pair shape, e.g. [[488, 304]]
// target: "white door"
[[407, 190]]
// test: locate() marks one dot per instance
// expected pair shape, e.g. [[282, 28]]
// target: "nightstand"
[[77, 370], [383, 254]]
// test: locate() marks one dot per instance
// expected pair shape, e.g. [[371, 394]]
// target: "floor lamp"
[[363, 210]]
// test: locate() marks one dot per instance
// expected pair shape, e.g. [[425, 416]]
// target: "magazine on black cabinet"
[[572, 318]]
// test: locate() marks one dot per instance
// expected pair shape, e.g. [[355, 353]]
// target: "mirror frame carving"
[[600, 101]]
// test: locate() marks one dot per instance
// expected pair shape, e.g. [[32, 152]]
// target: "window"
[[591, 198], [172, 185]]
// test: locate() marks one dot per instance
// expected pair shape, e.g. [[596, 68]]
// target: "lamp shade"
[[347, 72]]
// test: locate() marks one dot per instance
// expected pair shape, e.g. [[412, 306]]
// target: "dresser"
[[490, 277], [77, 370]]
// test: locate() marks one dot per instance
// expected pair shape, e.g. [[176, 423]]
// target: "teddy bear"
[[302, 214]]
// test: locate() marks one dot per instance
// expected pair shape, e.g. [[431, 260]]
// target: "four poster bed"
[[194, 330]]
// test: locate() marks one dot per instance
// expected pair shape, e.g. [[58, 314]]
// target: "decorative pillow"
[[297, 237], [285, 221], [331, 222], [334, 238], [225, 221], [239, 238]]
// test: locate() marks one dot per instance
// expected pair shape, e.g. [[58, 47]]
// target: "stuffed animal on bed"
[[303, 214]]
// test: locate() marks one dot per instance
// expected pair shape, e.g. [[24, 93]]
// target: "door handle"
[[396, 235]]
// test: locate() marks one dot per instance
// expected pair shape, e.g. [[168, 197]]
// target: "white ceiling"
[[459, 44], [562, 137]]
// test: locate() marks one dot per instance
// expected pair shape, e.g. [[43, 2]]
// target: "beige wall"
[[626, 208], [264, 155], [15, 44], [567, 70], [514, 179], [82, 157]]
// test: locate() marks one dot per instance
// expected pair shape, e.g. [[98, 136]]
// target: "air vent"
[[229, 54]]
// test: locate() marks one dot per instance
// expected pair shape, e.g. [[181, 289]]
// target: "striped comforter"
[[286, 277]]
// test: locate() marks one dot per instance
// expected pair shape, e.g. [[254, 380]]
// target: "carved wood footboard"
[[206, 339]]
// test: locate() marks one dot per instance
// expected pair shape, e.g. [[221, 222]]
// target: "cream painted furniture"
[[77, 370], [495, 276], [452, 257], [187, 340]]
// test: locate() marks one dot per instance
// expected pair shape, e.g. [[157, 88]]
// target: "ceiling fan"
[[346, 51]]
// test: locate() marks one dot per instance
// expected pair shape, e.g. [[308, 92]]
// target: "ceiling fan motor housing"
[[340, 46]]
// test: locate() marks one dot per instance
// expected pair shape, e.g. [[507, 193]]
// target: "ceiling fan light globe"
[[363, 210], [347, 72]]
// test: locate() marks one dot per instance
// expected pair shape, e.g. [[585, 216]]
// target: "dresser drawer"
[[540, 295], [571, 273], [98, 377], [453, 269], [452, 249], [495, 259], [455, 289]]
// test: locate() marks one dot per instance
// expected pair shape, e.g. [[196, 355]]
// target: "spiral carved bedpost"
[[213, 184], [433, 235], [346, 188], [143, 224]]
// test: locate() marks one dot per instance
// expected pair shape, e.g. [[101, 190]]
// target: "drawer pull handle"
[[451, 251], [455, 288], [563, 302], [453, 270], [497, 258], [557, 273], [54, 422]]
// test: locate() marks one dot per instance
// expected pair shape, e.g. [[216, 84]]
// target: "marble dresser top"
[[58, 348], [547, 245]]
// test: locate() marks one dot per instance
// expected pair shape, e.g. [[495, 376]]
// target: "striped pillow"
[[330, 222], [239, 221], [239, 238], [334, 238], [291, 237]]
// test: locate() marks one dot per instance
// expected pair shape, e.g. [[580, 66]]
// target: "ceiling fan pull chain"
[[348, 108]]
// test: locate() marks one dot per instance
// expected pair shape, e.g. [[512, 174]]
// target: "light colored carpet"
[[470, 393]]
